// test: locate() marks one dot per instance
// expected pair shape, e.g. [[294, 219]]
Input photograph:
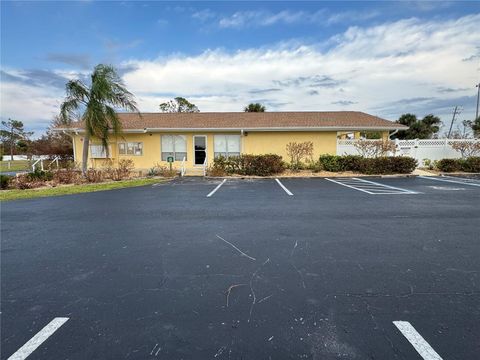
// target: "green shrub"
[[351, 162], [387, 165], [335, 163], [5, 181], [331, 163], [40, 175], [314, 166], [448, 165], [470, 164], [257, 165]]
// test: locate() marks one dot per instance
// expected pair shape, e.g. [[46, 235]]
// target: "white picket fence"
[[432, 149]]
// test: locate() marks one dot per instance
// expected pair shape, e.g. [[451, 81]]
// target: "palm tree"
[[96, 106], [254, 107]]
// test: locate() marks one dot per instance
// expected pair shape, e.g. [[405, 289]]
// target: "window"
[[226, 145], [98, 152], [131, 148], [174, 145]]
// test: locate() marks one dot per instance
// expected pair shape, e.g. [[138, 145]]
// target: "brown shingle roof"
[[335, 120]]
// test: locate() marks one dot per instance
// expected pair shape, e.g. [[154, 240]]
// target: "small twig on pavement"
[[236, 248], [229, 290]]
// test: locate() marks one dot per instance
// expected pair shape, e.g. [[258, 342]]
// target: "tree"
[[418, 129], [53, 142], [475, 125], [14, 136], [299, 151], [96, 106], [178, 105], [254, 107]]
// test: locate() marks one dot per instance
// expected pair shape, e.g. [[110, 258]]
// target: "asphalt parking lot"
[[245, 269]]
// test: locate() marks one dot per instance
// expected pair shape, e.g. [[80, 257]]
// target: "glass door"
[[200, 148]]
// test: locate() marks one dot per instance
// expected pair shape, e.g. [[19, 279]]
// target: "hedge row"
[[471, 164], [270, 164], [371, 166], [258, 165]]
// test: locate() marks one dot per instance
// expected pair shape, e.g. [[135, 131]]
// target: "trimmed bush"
[[387, 165], [256, 165], [470, 164], [331, 163], [448, 165], [371, 166]]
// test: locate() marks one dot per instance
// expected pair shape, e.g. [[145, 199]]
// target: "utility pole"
[[456, 111], [478, 97], [11, 139]]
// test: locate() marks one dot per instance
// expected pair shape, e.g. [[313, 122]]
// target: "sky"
[[384, 58]]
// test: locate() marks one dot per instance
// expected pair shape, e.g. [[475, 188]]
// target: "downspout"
[[393, 133], [242, 144]]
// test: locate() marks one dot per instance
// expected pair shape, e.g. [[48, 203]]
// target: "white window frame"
[[226, 145], [174, 152], [134, 144], [103, 154]]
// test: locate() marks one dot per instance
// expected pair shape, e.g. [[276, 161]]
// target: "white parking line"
[[449, 179], [349, 186], [417, 341], [215, 190], [387, 186], [284, 188], [38, 339], [370, 187]]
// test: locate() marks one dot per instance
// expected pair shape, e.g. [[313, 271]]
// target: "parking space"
[[370, 187], [168, 272], [454, 180]]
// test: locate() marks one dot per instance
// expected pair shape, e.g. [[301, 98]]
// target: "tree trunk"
[[86, 143]]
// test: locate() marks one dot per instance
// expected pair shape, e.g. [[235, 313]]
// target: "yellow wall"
[[276, 142], [251, 143]]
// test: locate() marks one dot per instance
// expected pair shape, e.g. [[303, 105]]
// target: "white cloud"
[[387, 70], [35, 106], [372, 67], [321, 17]]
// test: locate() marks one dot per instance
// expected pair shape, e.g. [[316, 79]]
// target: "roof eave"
[[252, 129]]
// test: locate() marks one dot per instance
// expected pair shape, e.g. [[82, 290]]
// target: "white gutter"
[[259, 129]]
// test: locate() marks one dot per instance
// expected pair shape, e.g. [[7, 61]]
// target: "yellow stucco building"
[[192, 140]]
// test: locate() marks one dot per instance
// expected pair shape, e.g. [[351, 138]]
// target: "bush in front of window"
[[160, 170], [122, 171]]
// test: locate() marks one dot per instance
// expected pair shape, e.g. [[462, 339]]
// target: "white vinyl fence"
[[25, 157], [432, 149]]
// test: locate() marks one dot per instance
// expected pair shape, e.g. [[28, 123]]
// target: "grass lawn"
[[16, 165], [6, 195]]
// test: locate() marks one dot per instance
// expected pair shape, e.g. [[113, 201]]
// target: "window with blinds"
[[226, 145], [174, 145]]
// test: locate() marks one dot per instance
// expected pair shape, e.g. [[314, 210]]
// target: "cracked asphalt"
[[163, 272]]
